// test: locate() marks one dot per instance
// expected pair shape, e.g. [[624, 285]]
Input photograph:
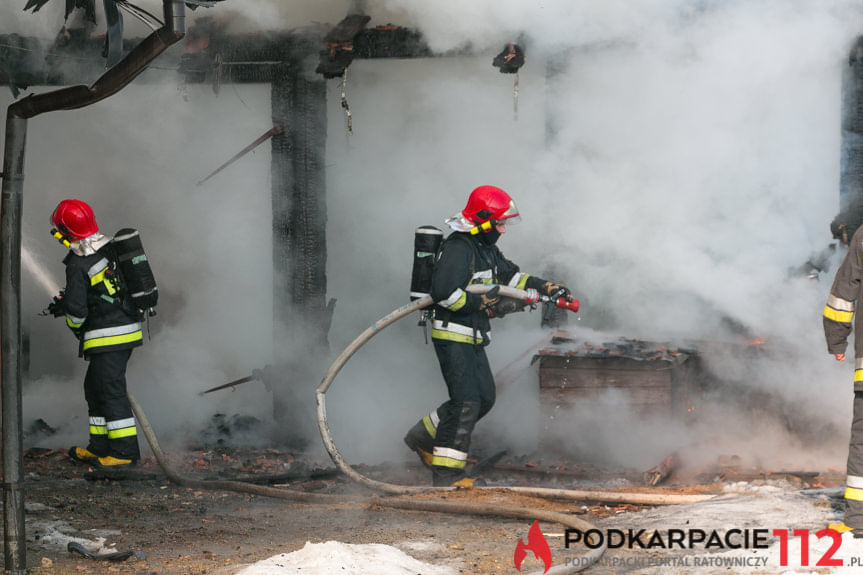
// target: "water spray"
[[38, 272]]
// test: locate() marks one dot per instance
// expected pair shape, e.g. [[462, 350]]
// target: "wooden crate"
[[654, 387]]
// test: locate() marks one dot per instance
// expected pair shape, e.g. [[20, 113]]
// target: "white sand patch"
[[336, 557]]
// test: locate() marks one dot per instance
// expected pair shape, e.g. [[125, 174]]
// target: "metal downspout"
[[14, 542], [111, 82]]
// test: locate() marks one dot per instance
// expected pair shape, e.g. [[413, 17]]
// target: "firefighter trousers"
[[112, 424], [471, 390], [854, 480]]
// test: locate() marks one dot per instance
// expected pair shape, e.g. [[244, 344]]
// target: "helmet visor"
[[511, 215]]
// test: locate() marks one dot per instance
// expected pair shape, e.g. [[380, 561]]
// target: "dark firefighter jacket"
[[465, 260], [93, 306]]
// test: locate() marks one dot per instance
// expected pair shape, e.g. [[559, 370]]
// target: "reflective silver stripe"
[[858, 364], [454, 297], [482, 275], [140, 293], [97, 267], [419, 294], [75, 320], [109, 331], [126, 237], [839, 303], [434, 418], [456, 328], [429, 231], [97, 421], [516, 279], [450, 453], [121, 423], [854, 481]]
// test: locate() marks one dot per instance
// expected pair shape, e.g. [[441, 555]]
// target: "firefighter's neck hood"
[[490, 237], [459, 223], [89, 245]]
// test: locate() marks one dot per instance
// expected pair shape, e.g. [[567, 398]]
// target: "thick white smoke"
[[680, 160]]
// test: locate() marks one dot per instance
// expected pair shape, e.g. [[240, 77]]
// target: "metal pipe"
[[14, 541], [111, 82]]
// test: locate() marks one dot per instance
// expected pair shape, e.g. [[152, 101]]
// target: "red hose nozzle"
[[570, 305]]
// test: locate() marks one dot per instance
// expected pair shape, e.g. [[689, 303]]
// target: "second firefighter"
[[460, 328]]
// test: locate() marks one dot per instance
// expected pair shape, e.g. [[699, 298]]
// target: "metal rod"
[[276, 129], [230, 384]]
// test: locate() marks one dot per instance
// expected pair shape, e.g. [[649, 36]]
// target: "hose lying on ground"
[[406, 504], [239, 486]]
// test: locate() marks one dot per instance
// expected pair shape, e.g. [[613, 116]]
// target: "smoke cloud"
[[671, 160]]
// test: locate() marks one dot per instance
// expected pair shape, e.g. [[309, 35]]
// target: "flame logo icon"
[[535, 542]]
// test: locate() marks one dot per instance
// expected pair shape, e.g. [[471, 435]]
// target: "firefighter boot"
[[111, 463], [420, 440], [82, 455], [446, 477], [843, 528]]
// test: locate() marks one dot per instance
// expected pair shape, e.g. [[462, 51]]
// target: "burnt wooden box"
[[651, 387]]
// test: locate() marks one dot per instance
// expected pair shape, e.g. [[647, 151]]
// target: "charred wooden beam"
[[659, 473], [215, 58], [339, 51], [391, 41]]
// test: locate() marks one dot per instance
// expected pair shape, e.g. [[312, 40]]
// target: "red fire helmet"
[[74, 219], [490, 203]]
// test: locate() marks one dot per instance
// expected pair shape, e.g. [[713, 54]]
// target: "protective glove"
[[55, 308], [505, 306], [556, 290], [489, 298]]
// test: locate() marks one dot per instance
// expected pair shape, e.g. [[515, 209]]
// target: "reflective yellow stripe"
[[854, 494], [113, 340], [522, 282], [98, 430], [858, 375], [432, 430], [454, 463], [125, 432], [838, 316], [450, 336], [71, 324], [459, 303], [100, 277]]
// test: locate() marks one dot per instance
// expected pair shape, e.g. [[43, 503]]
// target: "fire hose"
[[529, 297], [585, 561], [394, 503]]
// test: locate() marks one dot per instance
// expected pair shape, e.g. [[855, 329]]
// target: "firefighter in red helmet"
[[460, 328], [96, 311]]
